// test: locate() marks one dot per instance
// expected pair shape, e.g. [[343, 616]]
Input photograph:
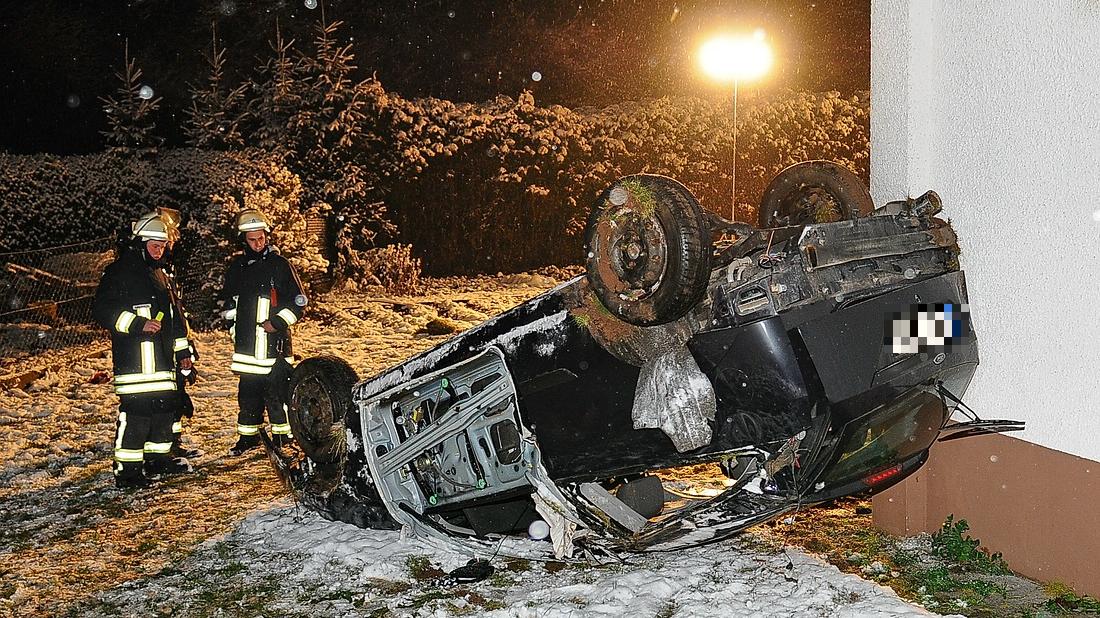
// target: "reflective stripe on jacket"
[[260, 289], [131, 293]]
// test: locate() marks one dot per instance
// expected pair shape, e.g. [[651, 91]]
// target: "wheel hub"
[[313, 407], [636, 248]]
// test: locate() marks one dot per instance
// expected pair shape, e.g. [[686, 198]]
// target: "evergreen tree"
[[275, 96], [333, 146], [313, 111], [130, 115], [214, 118]]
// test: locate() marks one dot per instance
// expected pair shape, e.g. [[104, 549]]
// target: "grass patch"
[[953, 544], [554, 566], [389, 587], [517, 565], [429, 596], [642, 196], [1064, 600], [231, 569], [951, 574], [501, 580], [421, 568]]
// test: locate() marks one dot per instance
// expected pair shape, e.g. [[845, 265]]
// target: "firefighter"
[[188, 376], [262, 298], [148, 344]]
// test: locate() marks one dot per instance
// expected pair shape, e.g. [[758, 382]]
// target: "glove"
[[189, 375]]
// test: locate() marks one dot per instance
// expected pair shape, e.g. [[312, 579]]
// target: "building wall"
[[996, 106]]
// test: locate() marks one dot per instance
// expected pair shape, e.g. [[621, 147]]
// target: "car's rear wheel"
[[319, 401], [813, 192], [648, 250]]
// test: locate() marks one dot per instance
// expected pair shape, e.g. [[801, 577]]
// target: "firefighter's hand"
[[268, 327], [186, 363], [151, 327]]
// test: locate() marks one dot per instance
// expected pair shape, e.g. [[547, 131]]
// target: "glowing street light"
[[729, 58]]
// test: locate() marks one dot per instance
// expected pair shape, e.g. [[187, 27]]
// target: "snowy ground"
[[286, 562], [69, 541]]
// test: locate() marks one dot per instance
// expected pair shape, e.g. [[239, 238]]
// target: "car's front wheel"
[[648, 250]]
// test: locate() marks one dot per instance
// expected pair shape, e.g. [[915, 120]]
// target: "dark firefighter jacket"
[[259, 288], [131, 293], [176, 293]]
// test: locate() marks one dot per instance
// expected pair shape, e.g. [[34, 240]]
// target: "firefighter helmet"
[[150, 227], [251, 220]]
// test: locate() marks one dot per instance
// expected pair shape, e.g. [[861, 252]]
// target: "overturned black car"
[[817, 355]]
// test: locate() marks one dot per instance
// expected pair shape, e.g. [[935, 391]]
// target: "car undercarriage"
[[805, 359]]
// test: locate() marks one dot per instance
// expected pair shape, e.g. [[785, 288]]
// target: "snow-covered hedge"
[[506, 185], [49, 201], [503, 185]]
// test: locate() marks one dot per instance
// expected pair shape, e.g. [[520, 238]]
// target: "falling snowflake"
[[145, 92], [311, 4], [536, 76]]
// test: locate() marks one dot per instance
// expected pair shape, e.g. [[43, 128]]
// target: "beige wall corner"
[[1037, 506]]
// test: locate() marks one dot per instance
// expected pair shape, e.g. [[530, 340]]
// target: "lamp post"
[[730, 58]]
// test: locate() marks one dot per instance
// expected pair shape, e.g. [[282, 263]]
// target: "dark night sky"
[[60, 55]]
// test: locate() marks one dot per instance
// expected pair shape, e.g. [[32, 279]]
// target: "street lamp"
[[729, 58]]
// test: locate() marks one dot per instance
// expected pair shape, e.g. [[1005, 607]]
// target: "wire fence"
[[46, 300]]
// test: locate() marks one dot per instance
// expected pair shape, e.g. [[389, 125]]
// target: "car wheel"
[[648, 247], [319, 401], [813, 192]]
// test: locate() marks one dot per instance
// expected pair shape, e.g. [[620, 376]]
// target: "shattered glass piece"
[[674, 395]]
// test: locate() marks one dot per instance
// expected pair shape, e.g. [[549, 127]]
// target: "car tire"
[[813, 192], [318, 404], [648, 250]]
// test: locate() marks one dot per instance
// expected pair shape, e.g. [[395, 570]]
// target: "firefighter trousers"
[[143, 433], [255, 394]]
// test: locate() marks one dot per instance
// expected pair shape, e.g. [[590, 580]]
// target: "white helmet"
[[150, 227], [250, 220]]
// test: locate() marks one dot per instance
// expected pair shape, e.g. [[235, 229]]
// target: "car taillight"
[[879, 477]]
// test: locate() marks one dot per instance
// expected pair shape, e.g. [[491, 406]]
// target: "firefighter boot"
[[167, 465], [179, 450], [130, 477], [244, 444], [132, 482]]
